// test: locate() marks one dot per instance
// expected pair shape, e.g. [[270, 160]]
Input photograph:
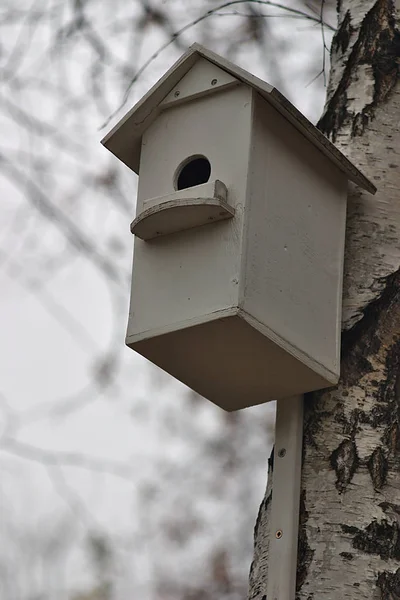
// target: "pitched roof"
[[124, 140]]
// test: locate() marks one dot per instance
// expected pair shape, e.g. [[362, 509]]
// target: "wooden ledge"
[[183, 210]]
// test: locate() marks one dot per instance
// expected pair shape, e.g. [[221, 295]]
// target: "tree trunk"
[[349, 540]]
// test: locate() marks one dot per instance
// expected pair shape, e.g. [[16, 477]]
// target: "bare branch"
[[206, 15]]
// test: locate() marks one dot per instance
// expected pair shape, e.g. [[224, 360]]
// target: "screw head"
[[214, 81], [279, 534], [177, 93], [282, 452]]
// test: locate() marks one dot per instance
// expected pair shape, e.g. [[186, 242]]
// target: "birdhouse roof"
[[124, 140]]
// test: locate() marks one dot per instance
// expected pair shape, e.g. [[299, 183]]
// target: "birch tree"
[[349, 538]]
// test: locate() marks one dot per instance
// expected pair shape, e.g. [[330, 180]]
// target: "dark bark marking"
[[365, 337], [389, 393], [389, 585], [379, 538], [271, 460], [391, 438], [345, 462], [304, 552], [388, 390], [378, 468], [342, 36], [377, 45], [380, 415], [356, 362], [351, 424], [392, 510], [350, 529], [347, 555], [313, 417]]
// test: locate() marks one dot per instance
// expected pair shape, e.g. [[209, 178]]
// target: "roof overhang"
[[124, 139]]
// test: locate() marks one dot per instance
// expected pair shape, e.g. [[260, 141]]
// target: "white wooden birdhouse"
[[239, 234]]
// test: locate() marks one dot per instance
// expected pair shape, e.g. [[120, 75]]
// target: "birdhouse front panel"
[[192, 151]]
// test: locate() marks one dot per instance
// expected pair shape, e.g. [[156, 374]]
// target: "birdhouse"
[[239, 235]]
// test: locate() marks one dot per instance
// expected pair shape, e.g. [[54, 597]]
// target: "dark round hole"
[[195, 172]]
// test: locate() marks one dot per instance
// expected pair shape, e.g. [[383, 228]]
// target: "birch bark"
[[349, 540]]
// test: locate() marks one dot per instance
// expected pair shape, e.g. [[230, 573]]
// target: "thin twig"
[[204, 16]]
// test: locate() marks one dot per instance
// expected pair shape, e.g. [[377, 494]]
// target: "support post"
[[285, 506]]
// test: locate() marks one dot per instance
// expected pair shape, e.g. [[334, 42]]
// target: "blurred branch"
[[71, 498], [54, 214], [28, 20], [65, 407], [57, 310], [10, 418], [209, 13], [66, 459], [42, 128]]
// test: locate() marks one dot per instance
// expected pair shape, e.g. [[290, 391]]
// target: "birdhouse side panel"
[[295, 230], [187, 275]]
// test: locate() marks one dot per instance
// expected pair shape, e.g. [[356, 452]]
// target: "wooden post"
[[285, 506]]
